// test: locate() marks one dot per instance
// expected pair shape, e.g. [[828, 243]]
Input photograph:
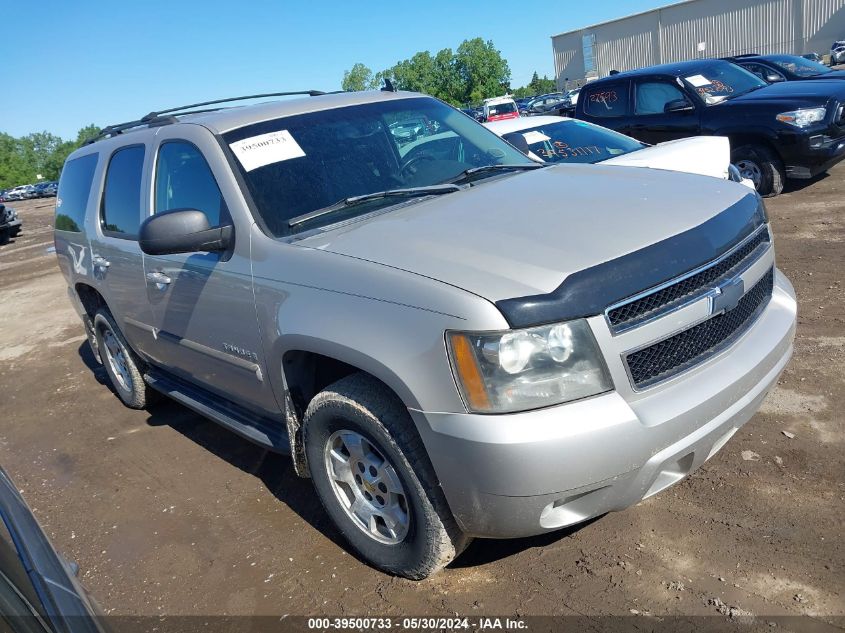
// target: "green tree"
[[359, 77], [482, 70]]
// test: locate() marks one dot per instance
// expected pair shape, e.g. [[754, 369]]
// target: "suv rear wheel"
[[121, 363], [375, 481], [761, 166]]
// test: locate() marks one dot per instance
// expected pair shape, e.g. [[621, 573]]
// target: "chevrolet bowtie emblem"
[[726, 295]]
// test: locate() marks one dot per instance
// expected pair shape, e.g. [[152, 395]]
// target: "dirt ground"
[[166, 513]]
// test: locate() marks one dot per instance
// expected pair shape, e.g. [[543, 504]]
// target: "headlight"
[[501, 372], [802, 118]]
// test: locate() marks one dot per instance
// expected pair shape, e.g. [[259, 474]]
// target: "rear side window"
[[121, 205], [607, 100], [184, 181], [74, 187]]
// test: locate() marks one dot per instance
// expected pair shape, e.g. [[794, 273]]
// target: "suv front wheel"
[[375, 481]]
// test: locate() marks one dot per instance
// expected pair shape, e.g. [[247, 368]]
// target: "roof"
[[675, 69], [227, 118], [221, 121]]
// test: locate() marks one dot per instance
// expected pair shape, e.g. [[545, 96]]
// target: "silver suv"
[[450, 339]]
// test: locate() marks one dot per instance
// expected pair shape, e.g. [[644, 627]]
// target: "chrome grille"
[[678, 353], [669, 297]]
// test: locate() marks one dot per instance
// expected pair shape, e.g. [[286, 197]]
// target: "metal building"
[[697, 28]]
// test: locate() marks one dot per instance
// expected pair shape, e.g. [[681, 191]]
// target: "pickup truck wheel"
[[122, 365], [374, 479], [761, 166]]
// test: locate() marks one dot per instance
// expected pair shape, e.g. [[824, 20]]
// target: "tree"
[[483, 71], [23, 159], [475, 71], [359, 77]]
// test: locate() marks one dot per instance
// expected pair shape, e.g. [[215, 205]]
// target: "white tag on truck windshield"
[[265, 149], [534, 137], [699, 80]]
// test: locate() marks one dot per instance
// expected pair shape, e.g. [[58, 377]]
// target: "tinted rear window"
[[121, 207], [74, 187], [607, 100]]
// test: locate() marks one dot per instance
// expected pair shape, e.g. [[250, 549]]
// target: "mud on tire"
[[364, 407]]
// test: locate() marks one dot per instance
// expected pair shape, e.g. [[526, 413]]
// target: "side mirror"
[[678, 105], [182, 231], [517, 139], [773, 78]]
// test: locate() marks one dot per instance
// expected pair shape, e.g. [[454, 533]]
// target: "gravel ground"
[[166, 513]]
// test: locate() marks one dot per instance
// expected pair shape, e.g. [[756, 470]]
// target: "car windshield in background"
[[502, 108], [798, 65], [719, 81], [300, 164], [576, 142]]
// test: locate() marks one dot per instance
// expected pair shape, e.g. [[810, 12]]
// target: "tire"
[[4, 236], [762, 166], [359, 408], [123, 367]]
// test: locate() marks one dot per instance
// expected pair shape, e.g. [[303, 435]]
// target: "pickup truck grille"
[[657, 302], [678, 353]]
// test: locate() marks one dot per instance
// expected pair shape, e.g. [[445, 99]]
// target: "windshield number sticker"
[[266, 149], [559, 148], [714, 86]]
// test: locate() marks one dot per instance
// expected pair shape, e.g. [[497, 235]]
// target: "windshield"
[[798, 65], [298, 164], [575, 142], [508, 107], [718, 81]]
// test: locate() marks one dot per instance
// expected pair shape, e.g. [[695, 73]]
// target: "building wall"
[[719, 27]]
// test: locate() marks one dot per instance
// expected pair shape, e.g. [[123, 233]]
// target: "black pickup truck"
[[10, 224], [784, 130]]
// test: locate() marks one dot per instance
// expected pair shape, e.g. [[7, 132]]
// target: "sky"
[[77, 63]]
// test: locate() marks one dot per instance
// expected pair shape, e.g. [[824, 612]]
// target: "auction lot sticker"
[[265, 149]]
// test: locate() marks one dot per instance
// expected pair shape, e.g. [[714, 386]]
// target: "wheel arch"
[[306, 365]]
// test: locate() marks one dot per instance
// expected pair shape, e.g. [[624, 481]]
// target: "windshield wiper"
[[468, 175], [411, 192]]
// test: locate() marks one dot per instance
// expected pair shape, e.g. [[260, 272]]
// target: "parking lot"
[[166, 513]]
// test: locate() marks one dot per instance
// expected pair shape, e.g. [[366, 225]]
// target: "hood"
[[524, 233], [812, 92], [704, 155]]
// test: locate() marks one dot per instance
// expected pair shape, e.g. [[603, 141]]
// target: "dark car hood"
[[815, 91]]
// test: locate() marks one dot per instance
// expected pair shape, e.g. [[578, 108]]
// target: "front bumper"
[[526, 473], [813, 155]]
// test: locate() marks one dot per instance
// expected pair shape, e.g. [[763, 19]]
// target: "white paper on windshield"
[[699, 80], [534, 137], [265, 149]]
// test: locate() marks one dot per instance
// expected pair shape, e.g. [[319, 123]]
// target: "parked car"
[[46, 189], [837, 53], [555, 139], [775, 68], [814, 57], [21, 192], [38, 588], [499, 109], [10, 223], [3, 195], [451, 339], [784, 130], [546, 104]]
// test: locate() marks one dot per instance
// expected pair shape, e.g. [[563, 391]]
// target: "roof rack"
[[168, 116]]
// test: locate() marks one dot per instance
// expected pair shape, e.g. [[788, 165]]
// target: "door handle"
[[100, 262], [159, 279]]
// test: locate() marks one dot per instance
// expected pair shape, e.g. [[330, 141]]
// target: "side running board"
[[267, 432]]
